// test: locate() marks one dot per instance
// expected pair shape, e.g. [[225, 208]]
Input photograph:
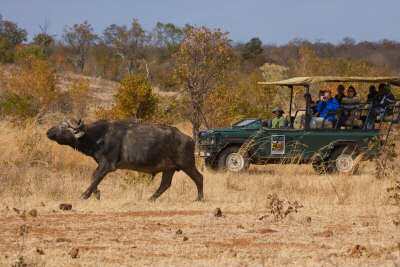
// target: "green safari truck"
[[329, 148]]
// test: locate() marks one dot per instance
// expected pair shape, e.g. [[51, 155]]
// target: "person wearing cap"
[[279, 121], [382, 108]]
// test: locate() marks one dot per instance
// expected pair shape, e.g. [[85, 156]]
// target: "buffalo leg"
[[197, 178], [164, 185], [96, 191], [97, 176]]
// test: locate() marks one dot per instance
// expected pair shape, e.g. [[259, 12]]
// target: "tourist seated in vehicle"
[[373, 94], [382, 108], [349, 105], [312, 104], [327, 108], [279, 121], [320, 93], [340, 94]]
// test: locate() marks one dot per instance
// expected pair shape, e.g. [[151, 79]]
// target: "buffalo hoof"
[[84, 196], [200, 198], [152, 199], [97, 194]]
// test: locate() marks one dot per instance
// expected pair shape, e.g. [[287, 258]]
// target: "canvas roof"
[[302, 81]]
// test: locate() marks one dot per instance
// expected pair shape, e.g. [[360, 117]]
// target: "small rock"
[[33, 213], [218, 212], [74, 253], [64, 206], [17, 210], [115, 240], [332, 255], [185, 238], [357, 251], [308, 220], [324, 234], [262, 231], [62, 239], [365, 224], [239, 226], [39, 251], [7, 208], [42, 204], [178, 232]]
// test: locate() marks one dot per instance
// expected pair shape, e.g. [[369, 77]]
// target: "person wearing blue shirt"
[[325, 106]]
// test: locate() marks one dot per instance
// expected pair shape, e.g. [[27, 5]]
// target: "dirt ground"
[[193, 235]]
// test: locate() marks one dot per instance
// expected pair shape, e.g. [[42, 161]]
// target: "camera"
[[324, 97]]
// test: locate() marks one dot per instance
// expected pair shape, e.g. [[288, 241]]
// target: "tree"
[[80, 37], [252, 49], [10, 36], [127, 43], [202, 58], [43, 39], [168, 35]]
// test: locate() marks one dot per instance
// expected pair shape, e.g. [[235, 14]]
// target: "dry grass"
[[123, 228]]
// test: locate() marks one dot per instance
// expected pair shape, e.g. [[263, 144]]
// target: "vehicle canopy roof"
[[305, 81]]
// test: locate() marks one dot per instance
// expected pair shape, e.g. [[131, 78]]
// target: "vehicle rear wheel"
[[231, 159], [342, 160]]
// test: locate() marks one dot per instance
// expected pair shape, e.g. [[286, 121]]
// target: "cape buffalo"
[[121, 144]]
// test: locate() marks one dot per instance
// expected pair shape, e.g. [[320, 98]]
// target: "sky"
[[273, 21]]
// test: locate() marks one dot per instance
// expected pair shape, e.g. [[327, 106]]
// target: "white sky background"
[[273, 21]]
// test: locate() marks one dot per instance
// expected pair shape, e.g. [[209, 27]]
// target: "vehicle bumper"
[[207, 151]]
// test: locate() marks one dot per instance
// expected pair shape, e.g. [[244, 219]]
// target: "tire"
[[230, 159], [342, 160], [211, 164]]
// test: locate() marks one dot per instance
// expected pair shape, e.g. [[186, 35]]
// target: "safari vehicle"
[[328, 148]]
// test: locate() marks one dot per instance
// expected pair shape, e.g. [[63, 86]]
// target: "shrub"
[[28, 87], [134, 100]]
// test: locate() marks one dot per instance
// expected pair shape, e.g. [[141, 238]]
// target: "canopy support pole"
[[307, 115], [290, 106]]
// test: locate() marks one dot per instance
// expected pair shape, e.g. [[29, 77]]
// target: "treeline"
[[215, 79]]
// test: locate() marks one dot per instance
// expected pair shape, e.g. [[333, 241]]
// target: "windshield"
[[244, 122]]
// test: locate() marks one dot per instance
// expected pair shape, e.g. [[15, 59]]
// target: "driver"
[[279, 121]]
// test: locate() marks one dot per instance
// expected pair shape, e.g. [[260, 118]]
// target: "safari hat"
[[278, 108]]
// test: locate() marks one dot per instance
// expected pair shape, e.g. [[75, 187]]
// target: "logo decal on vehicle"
[[277, 144]]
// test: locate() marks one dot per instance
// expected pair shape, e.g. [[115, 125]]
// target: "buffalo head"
[[67, 132]]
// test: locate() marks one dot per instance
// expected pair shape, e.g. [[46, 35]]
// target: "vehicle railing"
[[395, 118], [358, 110]]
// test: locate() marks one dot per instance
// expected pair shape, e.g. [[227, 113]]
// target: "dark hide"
[[120, 144]]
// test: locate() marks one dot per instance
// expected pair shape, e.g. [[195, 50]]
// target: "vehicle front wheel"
[[211, 164], [231, 159], [343, 160]]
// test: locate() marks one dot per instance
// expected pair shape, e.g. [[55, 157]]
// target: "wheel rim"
[[344, 163], [235, 162]]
